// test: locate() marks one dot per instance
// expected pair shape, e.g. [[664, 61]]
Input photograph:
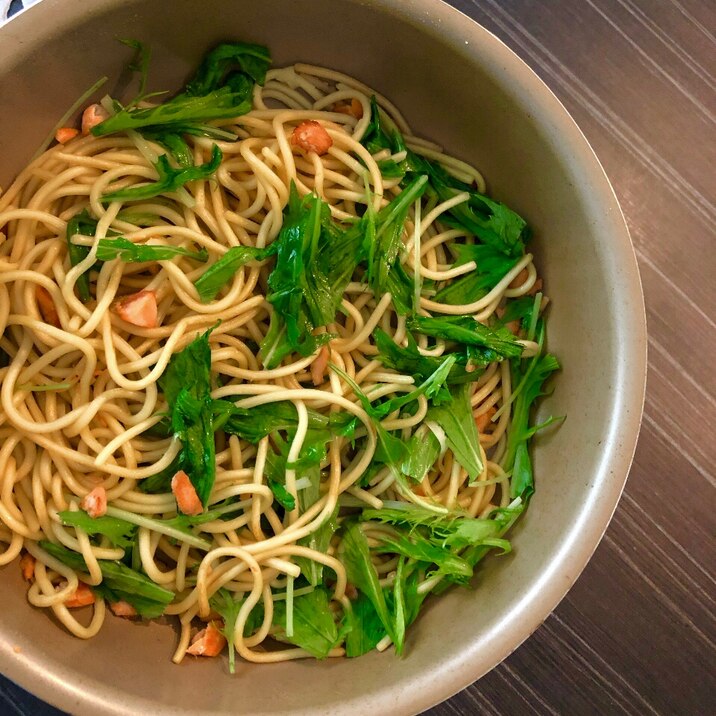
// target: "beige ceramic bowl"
[[458, 85]]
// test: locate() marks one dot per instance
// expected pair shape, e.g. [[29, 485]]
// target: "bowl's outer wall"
[[458, 85]]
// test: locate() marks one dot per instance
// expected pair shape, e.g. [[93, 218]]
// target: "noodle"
[[83, 403]]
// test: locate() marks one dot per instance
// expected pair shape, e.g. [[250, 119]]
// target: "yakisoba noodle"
[[81, 401]]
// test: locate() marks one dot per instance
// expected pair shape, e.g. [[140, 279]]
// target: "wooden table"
[[636, 634]]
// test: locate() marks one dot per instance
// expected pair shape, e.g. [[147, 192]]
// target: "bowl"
[[462, 87]]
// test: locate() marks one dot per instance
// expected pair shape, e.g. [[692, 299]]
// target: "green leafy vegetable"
[[519, 309], [409, 360], [177, 528], [121, 248], [376, 240], [413, 599], [366, 628], [161, 482], [492, 343], [170, 179], [225, 64], [139, 218], [85, 225], [390, 169], [315, 260], [314, 628], [492, 266], [333, 264], [185, 522], [430, 387], [148, 598], [448, 541], [377, 611], [119, 532], [401, 289], [255, 423], [529, 377], [175, 144], [221, 88], [355, 555], [139, 64], [377, 136], [221, 272], [457, 421], [228, 607], [383, 247], [422, 451], [314, 446], [419, 548], [181, 115], [503, 518], [493, 223], [187, 389], [291, 327], [404, 600], [282, 495], [390, 450], [453, 529], [319, 539], [397, 606], [307, 466], [275, 345]]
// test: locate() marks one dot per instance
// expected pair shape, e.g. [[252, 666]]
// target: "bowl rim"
[[585, 534]]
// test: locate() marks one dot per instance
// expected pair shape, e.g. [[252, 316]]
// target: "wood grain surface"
[[636, 634]]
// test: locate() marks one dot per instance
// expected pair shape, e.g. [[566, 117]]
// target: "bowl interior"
[[457, 85]]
